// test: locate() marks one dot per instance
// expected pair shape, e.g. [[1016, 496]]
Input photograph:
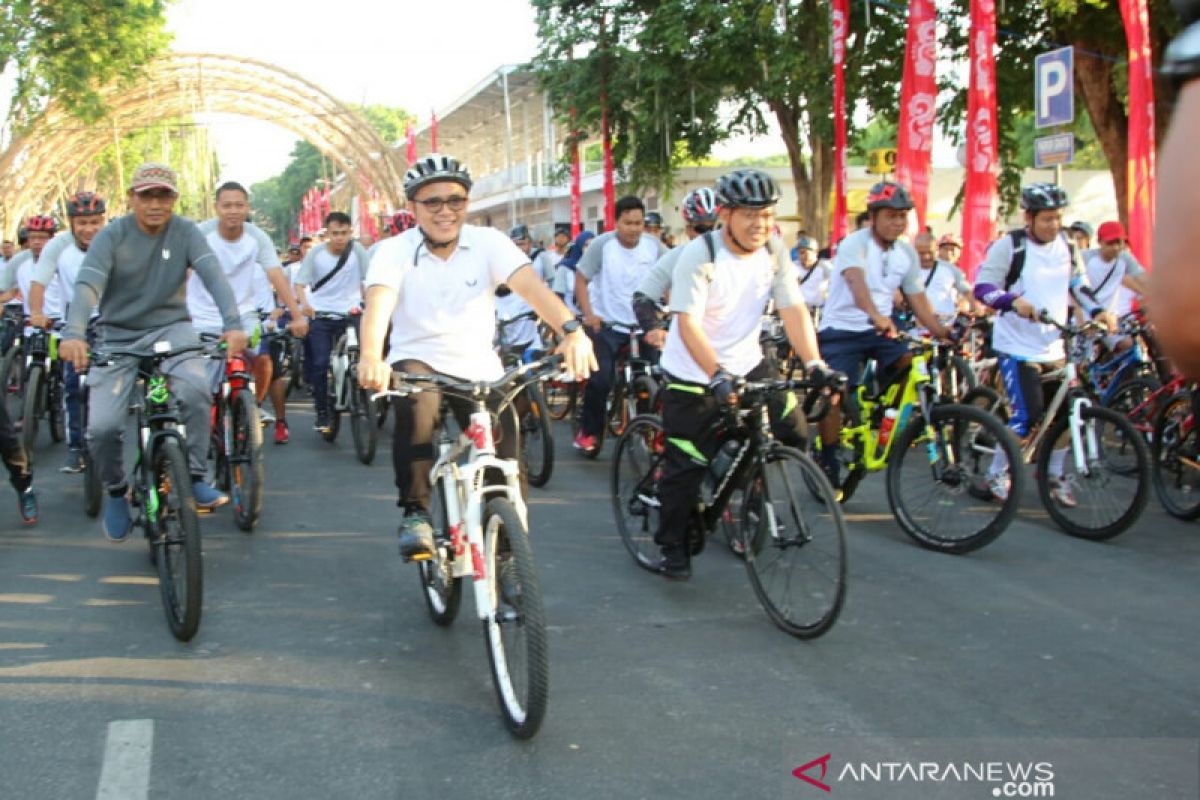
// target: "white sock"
[[1058, 459], [999, 462]]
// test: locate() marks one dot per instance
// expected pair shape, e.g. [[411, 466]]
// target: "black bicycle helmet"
[[654, 218], [432, 169], [519, 232], [1043, 197], [85, 204], [748, 188], [888, 194]]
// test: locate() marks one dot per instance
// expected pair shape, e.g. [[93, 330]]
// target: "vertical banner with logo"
[[980, 195], [576, 182], [410, 137], [1140, 168], [840, 20], [433, 131], [610, 191], [918, 103]]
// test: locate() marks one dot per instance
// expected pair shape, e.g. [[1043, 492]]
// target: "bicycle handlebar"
[[103, 359], [405, 383]]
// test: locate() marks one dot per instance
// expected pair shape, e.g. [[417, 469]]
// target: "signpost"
[[1053, 151], [1054, 105]]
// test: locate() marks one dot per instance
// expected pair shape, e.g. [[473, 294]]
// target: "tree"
[[64, 50]]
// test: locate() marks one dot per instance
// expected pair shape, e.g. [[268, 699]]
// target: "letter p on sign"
[[1054, 88]]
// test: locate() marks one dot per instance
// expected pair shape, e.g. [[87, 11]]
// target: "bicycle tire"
[[364, 427], [1175, 476], [331, 400], [55, 411], [176, 539], [520, 665], [561, 397], [644, 391], [1132, 393], [809, 533], [440, 589], [1126, 440], [11, 383], [638, 461], [537, 440], [971, 434], [247, 473], [31, 415], [617, 417], [93, 487], [956, 379]]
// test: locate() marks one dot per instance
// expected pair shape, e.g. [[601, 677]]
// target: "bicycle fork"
[[1081, 432]]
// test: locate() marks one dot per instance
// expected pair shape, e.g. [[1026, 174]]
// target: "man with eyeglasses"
[[436, 284], [136, 269], [329, 283]]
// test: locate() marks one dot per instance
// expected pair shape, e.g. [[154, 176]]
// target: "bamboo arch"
[[51, 154]]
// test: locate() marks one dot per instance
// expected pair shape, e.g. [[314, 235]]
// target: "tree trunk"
[[1094, 79], [809, 204]]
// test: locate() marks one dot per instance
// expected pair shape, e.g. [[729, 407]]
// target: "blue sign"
[[1054, 88], [1050, 151]]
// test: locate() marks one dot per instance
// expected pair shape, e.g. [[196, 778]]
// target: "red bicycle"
[[235, 450]]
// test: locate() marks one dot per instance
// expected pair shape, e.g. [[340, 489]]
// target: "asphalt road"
[[316, 673]]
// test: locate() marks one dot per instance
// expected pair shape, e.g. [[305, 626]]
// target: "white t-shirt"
[[814, 283], [18, 273], [614, 272], [445, 313], [57, 269], [728, 295], [510, 307], [898, 267], [564, 285], [244, 262], [1105, 278], [947, 286], [344, 290]]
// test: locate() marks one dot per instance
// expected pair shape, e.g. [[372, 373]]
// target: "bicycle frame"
[[911, 394], [1069, 388]]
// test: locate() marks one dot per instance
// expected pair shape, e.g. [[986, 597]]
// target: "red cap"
[[1111, 232]]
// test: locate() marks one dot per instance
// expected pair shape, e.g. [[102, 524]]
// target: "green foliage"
[[66, 48], [880, 133]]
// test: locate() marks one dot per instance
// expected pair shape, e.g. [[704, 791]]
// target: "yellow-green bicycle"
[[937, 456]]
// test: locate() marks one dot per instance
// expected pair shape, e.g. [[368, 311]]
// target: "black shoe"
[[28, 505], [73, 462], [416, 537], [674, 564]]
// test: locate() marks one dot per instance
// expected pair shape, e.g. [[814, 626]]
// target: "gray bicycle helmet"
[[748, 188], [519, 232], [889, 194], [1043, 197], [433, 168], [700, 206]]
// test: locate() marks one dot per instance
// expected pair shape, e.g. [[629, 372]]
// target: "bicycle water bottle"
[[339, 362], [885, 427]]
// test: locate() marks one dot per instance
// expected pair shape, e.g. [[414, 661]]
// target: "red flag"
[[918, 103], [576, 191], [980, 198], [840, 19], [411, 136], [1140, 167], [323, 204], [610, 196], [433, 131]]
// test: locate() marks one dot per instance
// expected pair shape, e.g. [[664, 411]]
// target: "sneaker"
[[281, 431], [28, 506], [674, 565], [117, 520], [999, 485], [585, 442], [1061, 492], [207, 497], [322, 423], [265, 415], [73, 462], [416, 537]]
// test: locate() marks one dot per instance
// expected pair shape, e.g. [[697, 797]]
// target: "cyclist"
[[54, 278], [19, 473], [330, 281], [436, 284], [945, 284], [1080, 233], [720, 288], [856, 323], [605, 279], [136, 269], [654, 225], [949, 249], [1116, 277], [814, 274], [564, 278], [18, 271], [518, 335], [1025, 272]]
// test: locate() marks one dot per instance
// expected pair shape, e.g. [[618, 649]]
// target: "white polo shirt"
[[898, 267], [614, 272], [244, 262], [445, 313], [344, 290]]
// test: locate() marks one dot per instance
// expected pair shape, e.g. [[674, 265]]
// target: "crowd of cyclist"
[[429, 297]]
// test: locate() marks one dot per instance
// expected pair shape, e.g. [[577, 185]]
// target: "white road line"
[[126, 771]]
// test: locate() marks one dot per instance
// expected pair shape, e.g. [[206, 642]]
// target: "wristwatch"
[[1181, 60], [570, 326]]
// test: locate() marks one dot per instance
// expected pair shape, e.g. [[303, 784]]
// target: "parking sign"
[[1054, 87]]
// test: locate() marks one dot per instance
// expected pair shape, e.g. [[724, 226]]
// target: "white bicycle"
[[481, 531]]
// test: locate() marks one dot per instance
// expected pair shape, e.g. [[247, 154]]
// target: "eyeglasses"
[[435, 204]]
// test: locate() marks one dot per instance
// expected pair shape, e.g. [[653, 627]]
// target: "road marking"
[[126, 771]]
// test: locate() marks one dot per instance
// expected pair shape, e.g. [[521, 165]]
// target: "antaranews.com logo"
[[1005, 779]]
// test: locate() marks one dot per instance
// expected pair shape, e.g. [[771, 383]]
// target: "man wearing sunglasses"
[[436, 284]]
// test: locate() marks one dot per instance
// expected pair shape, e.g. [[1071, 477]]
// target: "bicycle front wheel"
[[364, 426], [537, 442], [637, 465], [794, 543], [31, 411], [175, 537], [331, 404], [1175, 462], [516, 629], [246, 469], [1108, 494], [938, 477], [560, 398], [93, 488], [55, 410]]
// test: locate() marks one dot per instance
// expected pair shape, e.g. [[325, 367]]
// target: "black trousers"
[[13, 452]]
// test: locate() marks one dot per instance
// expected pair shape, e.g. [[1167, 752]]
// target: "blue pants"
[[74, 403], [322, 336], [607, 344]]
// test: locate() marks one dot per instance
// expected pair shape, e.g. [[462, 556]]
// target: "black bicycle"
[[537, 440], [44, 390], [347, 397]]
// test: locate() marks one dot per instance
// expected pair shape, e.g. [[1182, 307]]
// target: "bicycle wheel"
[[364, 426], [31, 409], [537, 441], [560, 398], [246, 470], [1130, 396], [331, 403], [175, 536], [1108, 495], [618, 410], [218, 459], [1175, 462], [636, 467], [794, 543], [380, 408], [516, 631], [10, 383], [988, 399], [441, 590], [937, 486], [93, 488], [55, 411], [644, 394], [955, 379]]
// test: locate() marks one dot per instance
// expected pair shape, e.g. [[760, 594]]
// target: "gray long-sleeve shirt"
[[138, 280]]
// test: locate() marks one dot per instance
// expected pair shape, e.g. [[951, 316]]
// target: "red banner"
[[840, 20], [918, 104], [433, 131], [1140, 168], [411, 145], [610, 191], [980, 195]]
